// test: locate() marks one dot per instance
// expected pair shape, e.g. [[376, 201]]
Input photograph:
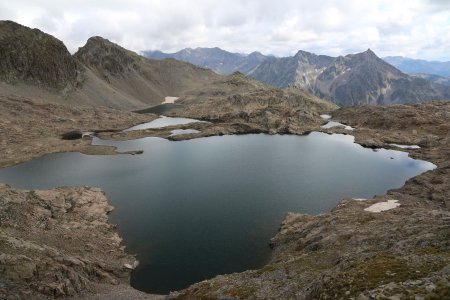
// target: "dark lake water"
[[194, 209]]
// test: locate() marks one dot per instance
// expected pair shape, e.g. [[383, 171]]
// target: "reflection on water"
[[183, 131], [332, 124], [163, 122], [195, 209]]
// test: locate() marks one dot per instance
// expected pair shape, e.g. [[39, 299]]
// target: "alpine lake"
[[191, 210]]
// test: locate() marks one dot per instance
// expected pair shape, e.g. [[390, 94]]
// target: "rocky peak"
[[319, 61], [32, 56], [106, 56], [256, 54], [368, 59], [304, 55], [369, 52]]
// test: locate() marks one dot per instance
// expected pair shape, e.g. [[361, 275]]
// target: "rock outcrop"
[[35, 57], [57, 243], [236, 99]]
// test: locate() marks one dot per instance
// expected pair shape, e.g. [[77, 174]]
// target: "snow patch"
[[383, 206], [183, 131], [87, 133], [170, 100], [406, 146], [325, 117], [336, 124]]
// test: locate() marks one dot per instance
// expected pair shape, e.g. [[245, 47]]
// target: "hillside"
[[34, 57], [133, 77]]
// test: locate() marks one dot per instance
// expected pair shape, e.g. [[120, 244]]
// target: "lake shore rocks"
[[57, 243]]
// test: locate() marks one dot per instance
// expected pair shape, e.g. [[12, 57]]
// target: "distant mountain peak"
[[216, 59], [366, 54], [302, 53], [415, 66]]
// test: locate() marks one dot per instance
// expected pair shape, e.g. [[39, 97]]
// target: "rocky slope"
[[236, 99], [354, 79], [35, 57], [445, 81], [216, 59], [57, 243], [110, 67]]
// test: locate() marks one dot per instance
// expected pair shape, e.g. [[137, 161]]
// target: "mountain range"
[[419, 66], [216, 59], [101, 73], [354, 79]]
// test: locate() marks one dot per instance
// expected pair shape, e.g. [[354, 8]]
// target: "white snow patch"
[[170, 100], [87, 133], [406, 146], [164, 121], [359, 199], [325, 117], [336, 124], [383, 206], [183, 131]]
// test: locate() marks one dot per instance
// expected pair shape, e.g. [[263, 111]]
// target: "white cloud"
[[414, 28]]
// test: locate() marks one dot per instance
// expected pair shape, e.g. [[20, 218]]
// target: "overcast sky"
[[413, 28]]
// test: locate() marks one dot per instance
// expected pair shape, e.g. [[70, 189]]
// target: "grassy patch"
[[242, 292], [381, 269], [267, 269]]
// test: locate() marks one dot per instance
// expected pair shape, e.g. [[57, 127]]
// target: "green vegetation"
[[379, 270]]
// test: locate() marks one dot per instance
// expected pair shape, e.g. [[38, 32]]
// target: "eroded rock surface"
[[35, 57], [57, 243]]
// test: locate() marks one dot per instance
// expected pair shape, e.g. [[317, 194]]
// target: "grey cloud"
[[417, 28]]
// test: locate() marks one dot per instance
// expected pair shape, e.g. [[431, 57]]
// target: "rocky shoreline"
[[347, 253]]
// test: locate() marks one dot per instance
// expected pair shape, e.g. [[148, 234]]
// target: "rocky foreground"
[[54, 242], [58, 243]]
